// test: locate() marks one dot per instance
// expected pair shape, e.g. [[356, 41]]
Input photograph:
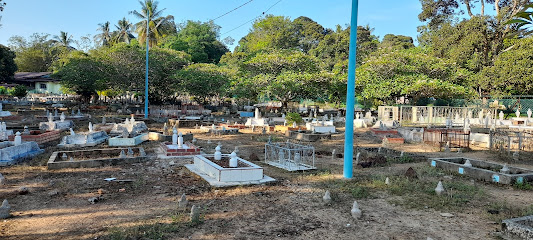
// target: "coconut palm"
[[104, 37], [159, 26], [63, 39], [123, 33]]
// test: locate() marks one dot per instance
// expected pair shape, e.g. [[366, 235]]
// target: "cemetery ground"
[[144, 204]]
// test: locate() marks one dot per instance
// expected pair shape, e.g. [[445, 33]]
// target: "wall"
[[51, 88]]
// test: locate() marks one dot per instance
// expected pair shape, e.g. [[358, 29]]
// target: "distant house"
[[38, 82]]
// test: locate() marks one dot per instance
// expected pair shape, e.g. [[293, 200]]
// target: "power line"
[[265, 12], [231, 11]]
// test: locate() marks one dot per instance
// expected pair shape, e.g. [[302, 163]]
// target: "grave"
[[127, 140], [166, 135], [17, 151], [4, 113], [62, 124], [390, 153], [230, 170], [219, 130], [290, 156], [518, 228], [257, 120], [177, 148], [131, 125], [95, 157], [84, 139], [307, 136], [324, 126], [38, 136], [4, 133], [483, 170]]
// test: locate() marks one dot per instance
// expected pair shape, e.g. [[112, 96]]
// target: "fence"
[[442, 136], [511, 141], [290, 156]]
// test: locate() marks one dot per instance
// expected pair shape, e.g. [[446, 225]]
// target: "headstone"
[[25, 132], [356, 212], [357, 158], [5, 209], [368, 115], [132, 119], [233, 161], [195, 214], [218, 154], [79, 112], [516, 156], [194, 140], [257, 113], [457, 117], [18, 139], [62, 117], [327, 197], [411, 173], [55, 113], [91, 127], [71, 159], [480, 115], [470, 114], [130, 152], [2, 180], [180, 140], [174, 136], [297, 157], [467, 163], [517, 113], [439, 189], [142, 153], [122, 154], [236, 149], [182, 202], [505, 169], [50, 117], [357, 116], [103, 120], [529, 113], [387, 181], [294, 125], [501, 115], [125, 133], [72, 112]]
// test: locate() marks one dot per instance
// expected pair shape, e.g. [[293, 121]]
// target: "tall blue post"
[[350, 96], [147, 48]]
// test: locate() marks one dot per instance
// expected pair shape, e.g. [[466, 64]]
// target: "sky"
[[80, 17]]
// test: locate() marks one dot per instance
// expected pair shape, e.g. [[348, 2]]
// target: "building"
[[39, 82]]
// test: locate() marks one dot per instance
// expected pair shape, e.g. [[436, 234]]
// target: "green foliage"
[[523, 20], [36, 54], [392, 41], [159, 26], [409, 72], [202, 81], [523, 185], [512, 72], [19, 91], [83, 75], [270, 32], [293, 117], [199, 40], [7, 63]]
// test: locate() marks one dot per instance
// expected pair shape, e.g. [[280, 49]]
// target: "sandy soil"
[[57, 205]]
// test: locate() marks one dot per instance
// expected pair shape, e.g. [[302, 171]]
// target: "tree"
[[199, 39], [63, 39], [204, 81], [271, 32], [309, 33], [123, 33], [411, 73], [159, 26], [7, 64], [512, 73], [83, 75], [36, 54], [523, 21], [104, 37], [392, 41]]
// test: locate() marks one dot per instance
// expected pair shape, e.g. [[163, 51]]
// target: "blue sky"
[[81, 17]]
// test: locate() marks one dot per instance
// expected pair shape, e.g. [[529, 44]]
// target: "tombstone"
[[516, 156], [297, 157], [467, 163], [333, 154], [387, 181], [55, 113], [130, 152], [2, 180], [487, 121], [467, 125], [103, 120], [368, 115], [447, 147], [269, 139], [448, 123], [122, 154], [62, 117], [72, 112], [257, 113], [529, 113], [79, 112], [180, 140], [356, 212], [218, 154], [504, 169], [182, 202], [174, 136], [422, 118], [5, 209], [127, 122], [327, 197], [236, 149], [64, 157], [500, 115], [47, 113], [357, 116], [517, 113], [195, 214], [18, 139], [233, 161], [439, 189], [294, 125], [132, 119], [357, 157], [480, 115], [470, 114], [50, 117], [25, 132], [91, 127], [71, 159], [125, 133], [457, 117]]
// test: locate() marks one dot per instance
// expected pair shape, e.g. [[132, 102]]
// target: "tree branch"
[[497, 6], [468, 9], [482, 7]]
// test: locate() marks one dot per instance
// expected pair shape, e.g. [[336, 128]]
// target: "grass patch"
[[499, 211], [523, 185]]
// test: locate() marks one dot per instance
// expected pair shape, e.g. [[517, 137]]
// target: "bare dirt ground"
[[57, 205]]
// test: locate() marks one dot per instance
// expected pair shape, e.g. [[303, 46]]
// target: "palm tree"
[[63, 39], [159, 26], [123, 33], [104, 37]]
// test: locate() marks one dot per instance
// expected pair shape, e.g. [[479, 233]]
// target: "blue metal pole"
[[146, 82], [350, 96]]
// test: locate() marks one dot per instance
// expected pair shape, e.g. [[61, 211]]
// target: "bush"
[[293, 117], [19, 91]]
